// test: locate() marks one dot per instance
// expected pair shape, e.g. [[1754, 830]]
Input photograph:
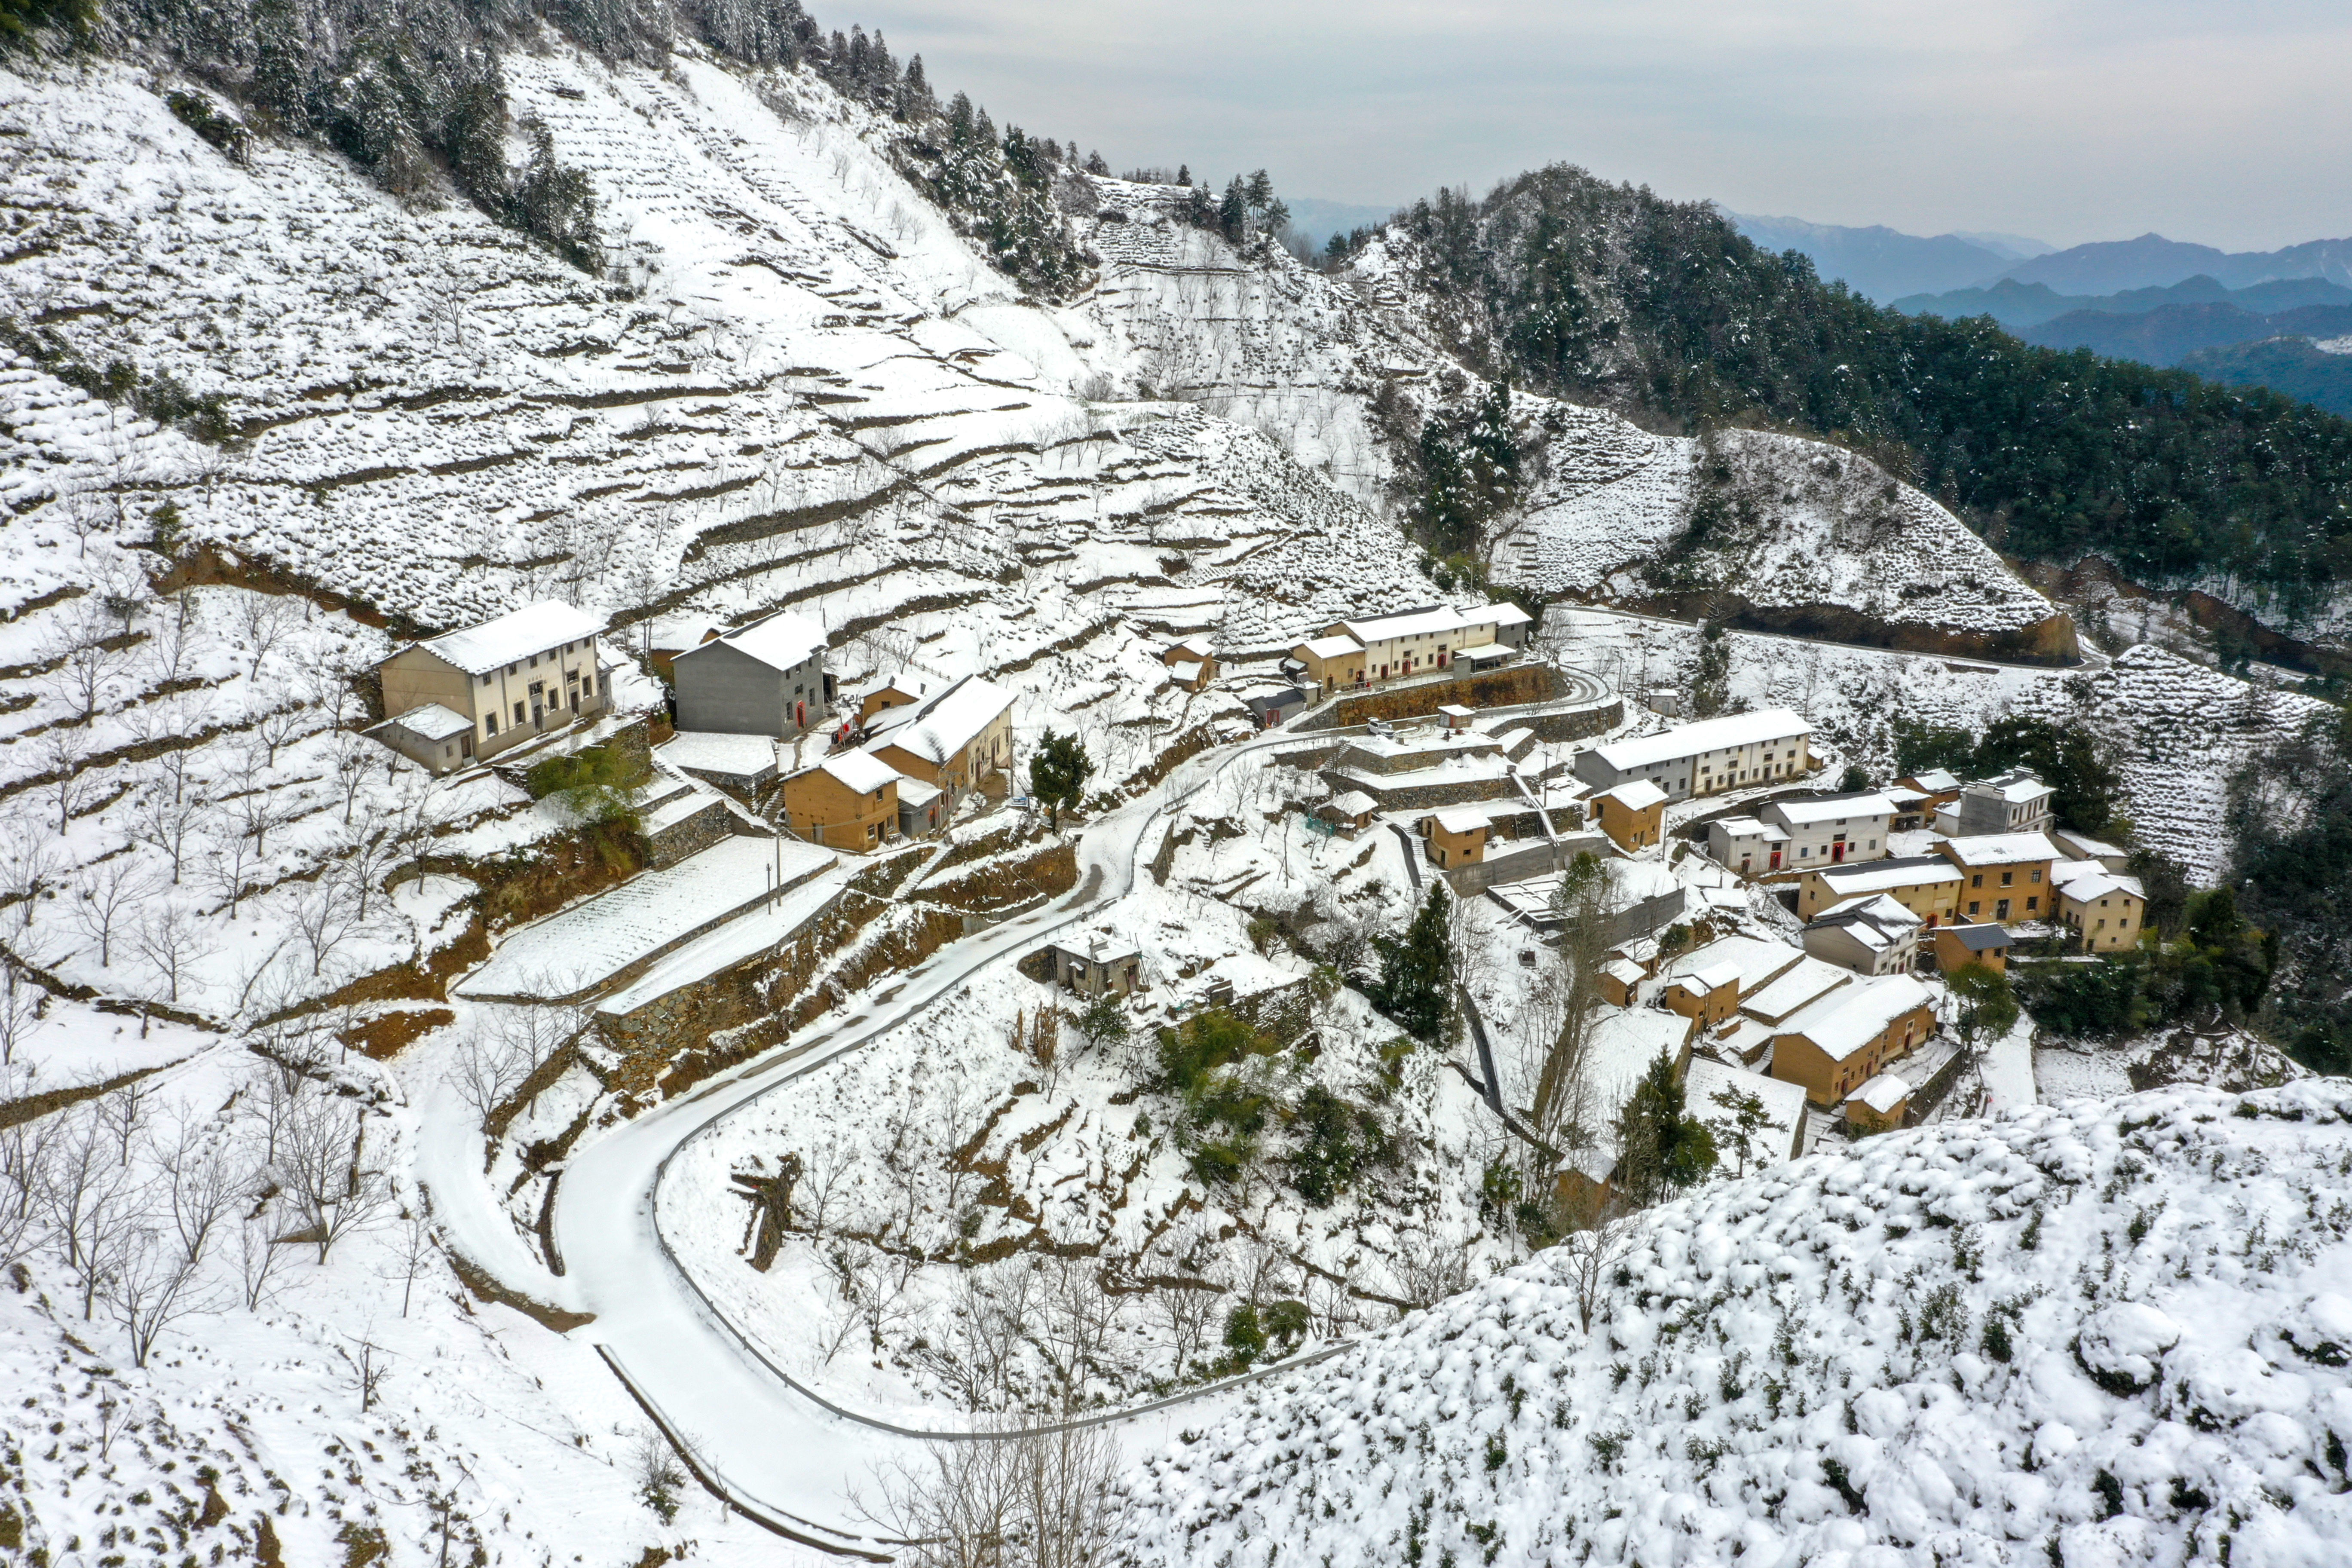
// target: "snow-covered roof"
[[2083, 846], [1796, 988], [860, 772], [1354, 802], [1456, 711], [782, 641], [514, 637], [1850, 1018], [1835, 808], [1623, 970], [432, 722], [1784, 1103], [1706, 735], [939, 727], [1757, 960], [1635, 794], [1462, 819], [1879, 876], [2015, 788], [1935, 781], [1874, 920], [916, 793], [1709, 977], [682, 629], [712, 751], [1496, 616], [1331, 648], [1200, 647], [2099, 884], [2000, 848], [1421, 623], [1737, 827], [1883, 1093]]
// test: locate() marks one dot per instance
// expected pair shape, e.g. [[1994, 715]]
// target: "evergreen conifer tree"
[[1660, 1147], [1417, 970], [1233, 211]]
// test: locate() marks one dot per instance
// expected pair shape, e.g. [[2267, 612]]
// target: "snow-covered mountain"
[[2091, 1335]]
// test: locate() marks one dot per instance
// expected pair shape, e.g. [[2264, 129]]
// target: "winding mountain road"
[[780, 1451]]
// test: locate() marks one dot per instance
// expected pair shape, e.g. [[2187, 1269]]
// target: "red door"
[[1776, 860], [1837, 853]]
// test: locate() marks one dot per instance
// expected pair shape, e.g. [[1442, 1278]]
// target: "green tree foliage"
[[595, 784], [1661, 1147], [2296, 874], [1465, 469], [1337, 1142], [2070, 758], [1740, 1129], [1611, 293], [21, 18], [1204, 1061], [2217, 969], [999, 192], [1985, 1008], [1103, 1022], [1415, 984], [1058, 773], [1710, 686]]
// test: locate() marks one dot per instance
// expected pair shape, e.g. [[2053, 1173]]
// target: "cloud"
[[2219, 122]]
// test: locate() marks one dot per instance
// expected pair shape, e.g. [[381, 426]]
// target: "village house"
[[1705, 758], [1747, 844], [767, 679], [1759, 965], [1094, 964], [1711, 1087], [2108, 911], [1456, 836], [2008, 875], [1873, 934], [1633, 814], [1845, 1038], [1331, 663], [1836, 828], [1410, 642], [899, 691], [1350, 811], [952, 740], [1620, 982], [1881, 1105], [2083, 846], [498, 684], [2016, 801], [849, 801], [1707, 993], [1957, 947], [1925, 793], [1192, 663], [1927, 885]]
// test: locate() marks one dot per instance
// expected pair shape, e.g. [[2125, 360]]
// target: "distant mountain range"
[[1887, 265], [1881, 263], [2022, 305], [2295, 366]]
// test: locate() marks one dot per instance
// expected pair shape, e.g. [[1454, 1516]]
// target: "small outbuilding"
[[439, 738], [1097, 964], [1633, 815], [1456, 834], [1350, 812], [849, 801], [1960, 946], [1879, 1105], [1192, 663]]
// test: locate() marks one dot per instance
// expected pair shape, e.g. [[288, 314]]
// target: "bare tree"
[[412, 1249], [1559, 1108], [653, 1464], [318, 1162], [177, 639], [504, 1047], [259, 1257], [263, 621], [24, 1158], [104, 896], [280, 727], [85, 646], [62, 752], [88, 510], [87, 1203], [28, 859], [1080, 1319], [1020, 1501], [166, 820], [156, 1283], [369, 1363], [325, 915], [1590, 1258], [228, 868], [20, 1011]]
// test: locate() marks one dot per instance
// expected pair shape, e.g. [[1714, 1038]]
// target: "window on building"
[[519, 713], [2034, 901], [2037, 873], [486, 680], [1974, 906], [1975, 881], [490, 724]]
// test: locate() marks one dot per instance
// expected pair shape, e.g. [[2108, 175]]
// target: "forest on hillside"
[[1609, 293]]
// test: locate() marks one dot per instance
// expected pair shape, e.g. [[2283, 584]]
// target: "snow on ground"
[[2104, 1333]]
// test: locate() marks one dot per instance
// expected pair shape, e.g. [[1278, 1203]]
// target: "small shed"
[[1457, 717], [1709, 993], [1880, 1105], [1352, 811], [922, 808], [1093, 965], [1958, 946], [1621, 978], [441, 739], [1192, 663], [1273, 706]]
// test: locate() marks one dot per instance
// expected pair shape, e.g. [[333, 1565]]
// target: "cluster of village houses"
[[1838, 1033]]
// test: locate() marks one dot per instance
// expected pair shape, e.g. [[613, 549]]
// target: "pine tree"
[[1184, 173], [281, 74], [1095, 165], [1660, 1147], [1233, 212], [1415, 986], [1058, 773], [915, 92]]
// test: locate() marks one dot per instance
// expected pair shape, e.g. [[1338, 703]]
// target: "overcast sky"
[[2226, 123]]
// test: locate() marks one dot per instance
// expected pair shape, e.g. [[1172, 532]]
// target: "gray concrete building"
[[767, 679]]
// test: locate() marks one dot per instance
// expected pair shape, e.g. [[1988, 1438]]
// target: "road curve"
[[779, 1452]]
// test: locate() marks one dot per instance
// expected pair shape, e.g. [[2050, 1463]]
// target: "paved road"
[[778, 1450]]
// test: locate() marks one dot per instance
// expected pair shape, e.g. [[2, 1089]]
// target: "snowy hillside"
[[2094, 1334]]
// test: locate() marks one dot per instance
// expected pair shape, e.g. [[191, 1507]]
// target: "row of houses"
[[1358, 654]]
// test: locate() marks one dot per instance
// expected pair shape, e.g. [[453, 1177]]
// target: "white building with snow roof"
[[1873, 934], [1705, 758], [498, 684], [1831, 830], [767, 679]]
